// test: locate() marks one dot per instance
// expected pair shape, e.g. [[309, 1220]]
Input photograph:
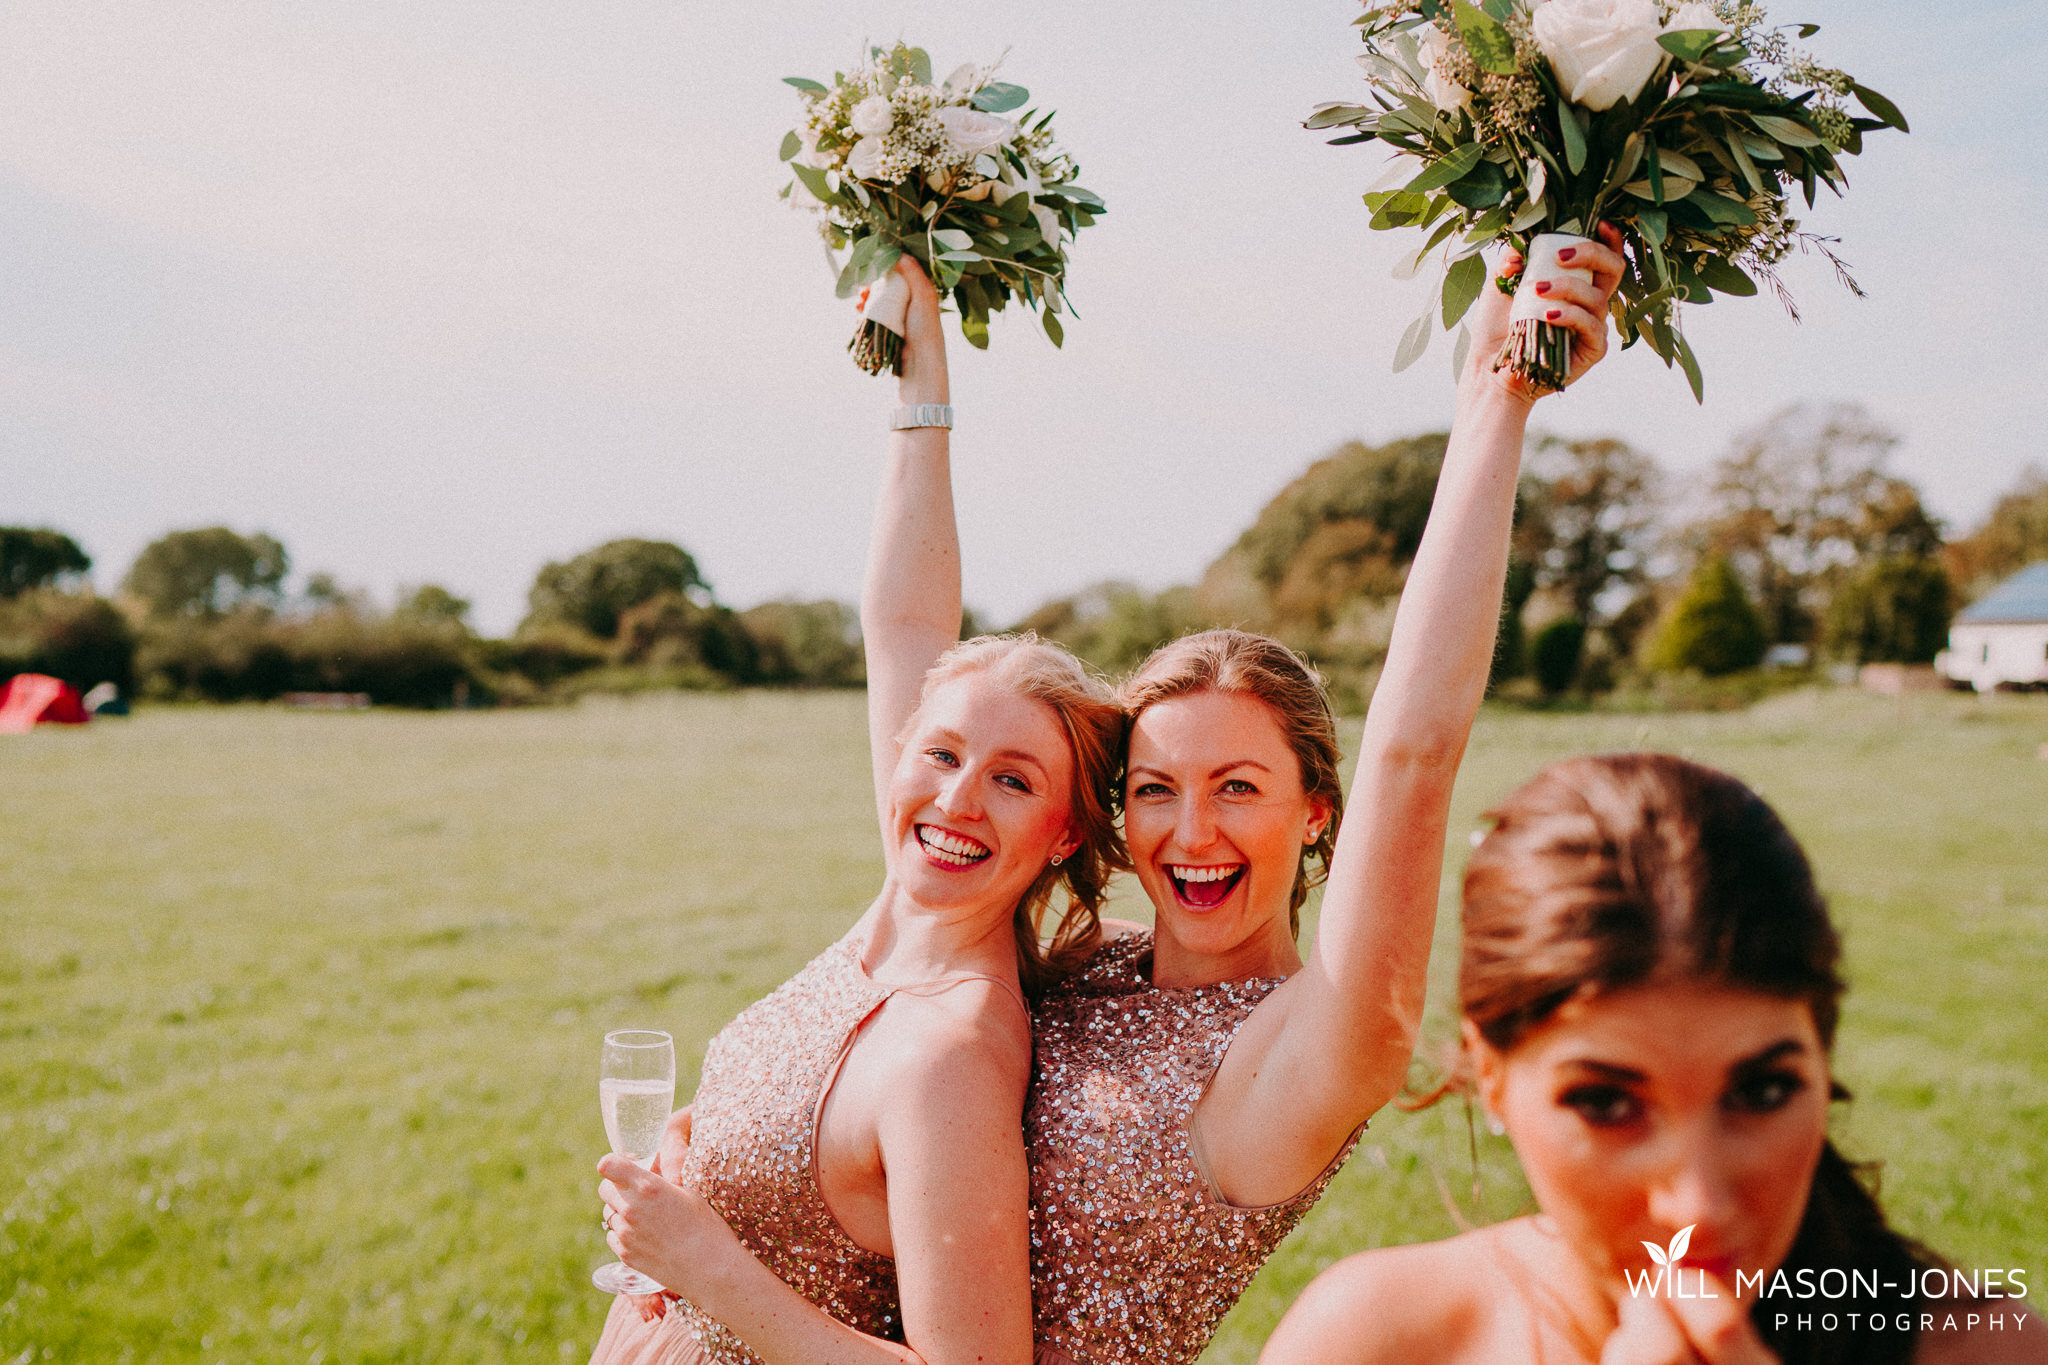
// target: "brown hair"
[[1240, 663], [1618, 870], [1094, 725]]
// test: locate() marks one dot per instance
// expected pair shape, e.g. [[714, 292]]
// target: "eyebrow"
[[1215, 773], [1762, 1057], [954, 737], [1765, 1056], [1607, 1069]]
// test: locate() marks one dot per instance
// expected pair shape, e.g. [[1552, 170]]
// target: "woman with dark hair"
[[1650, 986]]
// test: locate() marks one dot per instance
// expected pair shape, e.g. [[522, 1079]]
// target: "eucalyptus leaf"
[[1338, 115], [1414, 341], [1461, 288], [1689, 44], [1486, 39], [1460, 351], [1452, 167], [975, 329], [1691, 365], [999, 97], [1786, 131], [1052, 326], [920, 66], [805, 84], [953, 239], [1574, 135], [791, 145], [1481, 188], [1725, 276], [1880, 106], [1740, 153]]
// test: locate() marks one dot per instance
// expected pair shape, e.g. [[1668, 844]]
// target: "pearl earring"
[[1495, 1126]]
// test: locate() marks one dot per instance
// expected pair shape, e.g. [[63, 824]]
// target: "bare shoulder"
[[1982, 1332], [952, 1045], [1396, 1304]]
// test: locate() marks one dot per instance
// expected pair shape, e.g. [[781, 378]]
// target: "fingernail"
[[1554, 314], [1543, 286], [1567, 253]]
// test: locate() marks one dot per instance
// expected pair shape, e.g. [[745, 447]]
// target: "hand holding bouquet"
[[896, 165], [1686, 125]]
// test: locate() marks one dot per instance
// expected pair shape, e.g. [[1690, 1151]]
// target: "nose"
[[1693, 1190], [959, 795], [1195, 827]]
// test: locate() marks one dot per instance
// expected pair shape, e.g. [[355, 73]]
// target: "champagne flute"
[[637, 1089]]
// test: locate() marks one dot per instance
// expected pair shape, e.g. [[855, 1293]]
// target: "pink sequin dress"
[[753, 1156], [1135, 1255]]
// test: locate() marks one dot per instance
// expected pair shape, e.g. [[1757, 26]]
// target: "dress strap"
[[945, 983]]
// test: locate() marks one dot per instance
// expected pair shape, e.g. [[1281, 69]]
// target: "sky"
[[437, 290]]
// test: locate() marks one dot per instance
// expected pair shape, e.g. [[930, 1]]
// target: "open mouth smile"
[[1204, 888], [943, 848]]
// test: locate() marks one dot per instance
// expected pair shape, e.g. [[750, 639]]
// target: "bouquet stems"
[[878, 343], [1538, 350]]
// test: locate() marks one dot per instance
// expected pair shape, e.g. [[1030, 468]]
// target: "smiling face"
[[1216, 818], [980, 800], [1656, 1108]]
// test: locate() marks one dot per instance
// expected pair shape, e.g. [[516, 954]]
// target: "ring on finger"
[[606, 1220]]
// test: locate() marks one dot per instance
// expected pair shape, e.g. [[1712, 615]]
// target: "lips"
[[1204, 888], [955, 852]]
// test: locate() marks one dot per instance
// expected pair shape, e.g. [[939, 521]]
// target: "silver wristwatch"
[[923, 415]]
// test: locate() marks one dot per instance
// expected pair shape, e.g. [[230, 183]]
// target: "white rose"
[[1693, 14], [873, 117], [969, 132], [1603, 51], [964, 81], [1445, 93], [810, 155], [864, 162]]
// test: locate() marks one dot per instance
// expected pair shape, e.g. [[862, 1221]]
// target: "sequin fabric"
[[1135, 1257], [752, 1151]]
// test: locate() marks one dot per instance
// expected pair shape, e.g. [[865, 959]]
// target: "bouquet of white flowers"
[[897, 165], [1686, 125]]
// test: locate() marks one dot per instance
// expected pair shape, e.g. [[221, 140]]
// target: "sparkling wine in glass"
[[637, 1089]]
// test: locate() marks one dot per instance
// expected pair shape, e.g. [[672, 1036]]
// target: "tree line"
[[1799, 548]]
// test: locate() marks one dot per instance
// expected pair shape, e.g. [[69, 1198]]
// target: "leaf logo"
[[1676, 1252]]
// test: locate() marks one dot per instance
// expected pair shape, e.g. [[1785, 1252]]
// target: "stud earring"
[[1495, 1126], [1058, 858]]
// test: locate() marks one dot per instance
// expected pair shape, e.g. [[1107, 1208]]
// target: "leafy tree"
[[431, 602], [36, 557], [807, 644], [1588, 519], [1115, 625], [80, 638], [1800, 499], [593, 590], [2013, 536], [1556, 653], [1712, 627], [671, 631], [1895, 609], [207, 572]]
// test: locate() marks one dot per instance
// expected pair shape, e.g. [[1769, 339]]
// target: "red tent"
[[27, 699]]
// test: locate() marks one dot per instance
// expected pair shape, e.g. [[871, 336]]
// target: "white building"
[[2002, 638]]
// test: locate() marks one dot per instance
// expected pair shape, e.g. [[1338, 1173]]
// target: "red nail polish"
[[1554, 314], [1567, 253], [1543, 286]]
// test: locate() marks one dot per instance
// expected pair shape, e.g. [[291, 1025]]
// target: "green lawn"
[[299, 1013]]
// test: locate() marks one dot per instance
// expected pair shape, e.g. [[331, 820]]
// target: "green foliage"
[[2014, 535], [1712, 628], [431, 602], [669, 631], [593, 590], [807, 644], [1556, 652], [251, 654], [546, 653], [1114, 625], [207, 572], [78, 637], [1893, 610], [34, 557]]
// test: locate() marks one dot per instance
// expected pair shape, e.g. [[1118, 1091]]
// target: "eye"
[[1237, 786], [942, 757], [1151, 789], [1015, 783], [1602, 1106], [1763, 1093]]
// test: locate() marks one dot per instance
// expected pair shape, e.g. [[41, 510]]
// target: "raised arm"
[[910, 603], [1332, 1045]]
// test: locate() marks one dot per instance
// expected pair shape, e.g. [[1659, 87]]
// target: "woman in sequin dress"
[[1650, 984], [1196, 1088], [853, 1186]]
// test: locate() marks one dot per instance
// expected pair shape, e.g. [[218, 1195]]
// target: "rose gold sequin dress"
[[1135, 1256], [753, 1156]]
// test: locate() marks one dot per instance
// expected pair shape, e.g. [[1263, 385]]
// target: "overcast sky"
[[434, 290]]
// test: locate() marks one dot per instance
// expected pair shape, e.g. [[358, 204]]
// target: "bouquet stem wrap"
[[1539, 351], [878, 344]]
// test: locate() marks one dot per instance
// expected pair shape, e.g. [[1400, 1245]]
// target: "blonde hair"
[[1238, 663], [1094, 724]]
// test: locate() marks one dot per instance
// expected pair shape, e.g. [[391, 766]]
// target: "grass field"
[[299, 1013]]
